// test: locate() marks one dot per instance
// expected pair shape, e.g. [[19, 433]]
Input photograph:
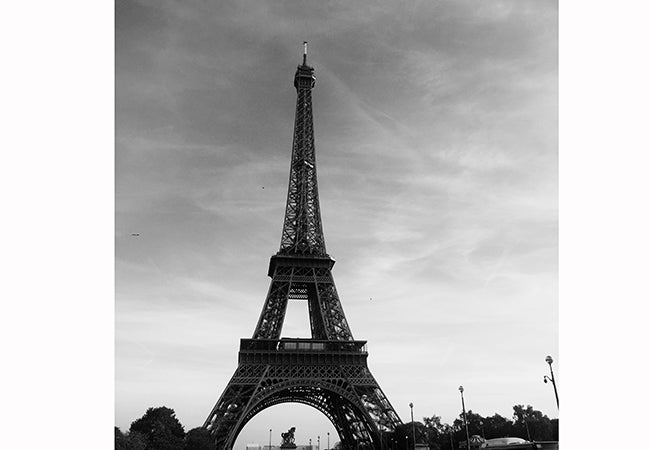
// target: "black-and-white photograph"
[[324, 225], [336, 225]]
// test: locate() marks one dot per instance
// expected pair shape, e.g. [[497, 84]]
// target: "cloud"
[[436, 138]]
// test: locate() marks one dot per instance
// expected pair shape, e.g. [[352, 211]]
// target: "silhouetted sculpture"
[[288, 440]]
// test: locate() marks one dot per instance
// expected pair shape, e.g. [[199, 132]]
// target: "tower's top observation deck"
[[304, 78]]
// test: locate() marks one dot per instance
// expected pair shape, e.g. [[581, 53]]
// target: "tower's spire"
[[304, 53], [302, 233]]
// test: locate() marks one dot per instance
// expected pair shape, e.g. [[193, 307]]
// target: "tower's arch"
[[331, 376], [351, 421]]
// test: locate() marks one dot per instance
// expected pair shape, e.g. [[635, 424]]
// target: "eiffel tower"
[[329, 371]]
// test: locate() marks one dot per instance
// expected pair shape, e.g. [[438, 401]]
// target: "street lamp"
[[462, 399], [412, 424], [328, 440], [318, 442], [549, 360], [270, 432]]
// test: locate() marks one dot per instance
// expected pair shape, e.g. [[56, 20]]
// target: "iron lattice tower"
[[329, 371]]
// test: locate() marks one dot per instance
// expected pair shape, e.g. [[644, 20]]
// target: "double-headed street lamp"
[[549, 360], [462, 399]]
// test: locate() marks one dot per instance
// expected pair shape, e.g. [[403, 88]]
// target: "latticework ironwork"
[[307, 279], [302, 233], [329, 371]]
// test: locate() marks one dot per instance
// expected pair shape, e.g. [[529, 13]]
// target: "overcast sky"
[[436, 141]]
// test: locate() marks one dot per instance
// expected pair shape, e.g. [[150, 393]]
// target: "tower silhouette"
[[329, 371]]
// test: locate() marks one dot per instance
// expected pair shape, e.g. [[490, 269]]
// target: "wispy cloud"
[[436, 137]]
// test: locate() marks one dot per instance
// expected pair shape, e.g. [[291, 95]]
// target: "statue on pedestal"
[[288, 439]]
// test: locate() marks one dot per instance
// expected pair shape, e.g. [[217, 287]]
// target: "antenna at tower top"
[[304, 53]]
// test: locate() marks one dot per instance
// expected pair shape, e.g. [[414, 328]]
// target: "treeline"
[[159, 429], [526, 423]]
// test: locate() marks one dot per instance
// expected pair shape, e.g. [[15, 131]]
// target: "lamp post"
[[412, 424], [462, 399], [549, 360], [318, 442], [328, 440], [270, 432]]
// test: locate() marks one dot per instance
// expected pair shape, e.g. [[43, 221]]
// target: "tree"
[[120, 440], [198, 439], [161, 429], [555, 429], [442, 436], [129, 441], [532, 424], [475, 423], [433, 425], [434, 431], [497, 426], [404, 434], [459, 429], [136, 441]]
